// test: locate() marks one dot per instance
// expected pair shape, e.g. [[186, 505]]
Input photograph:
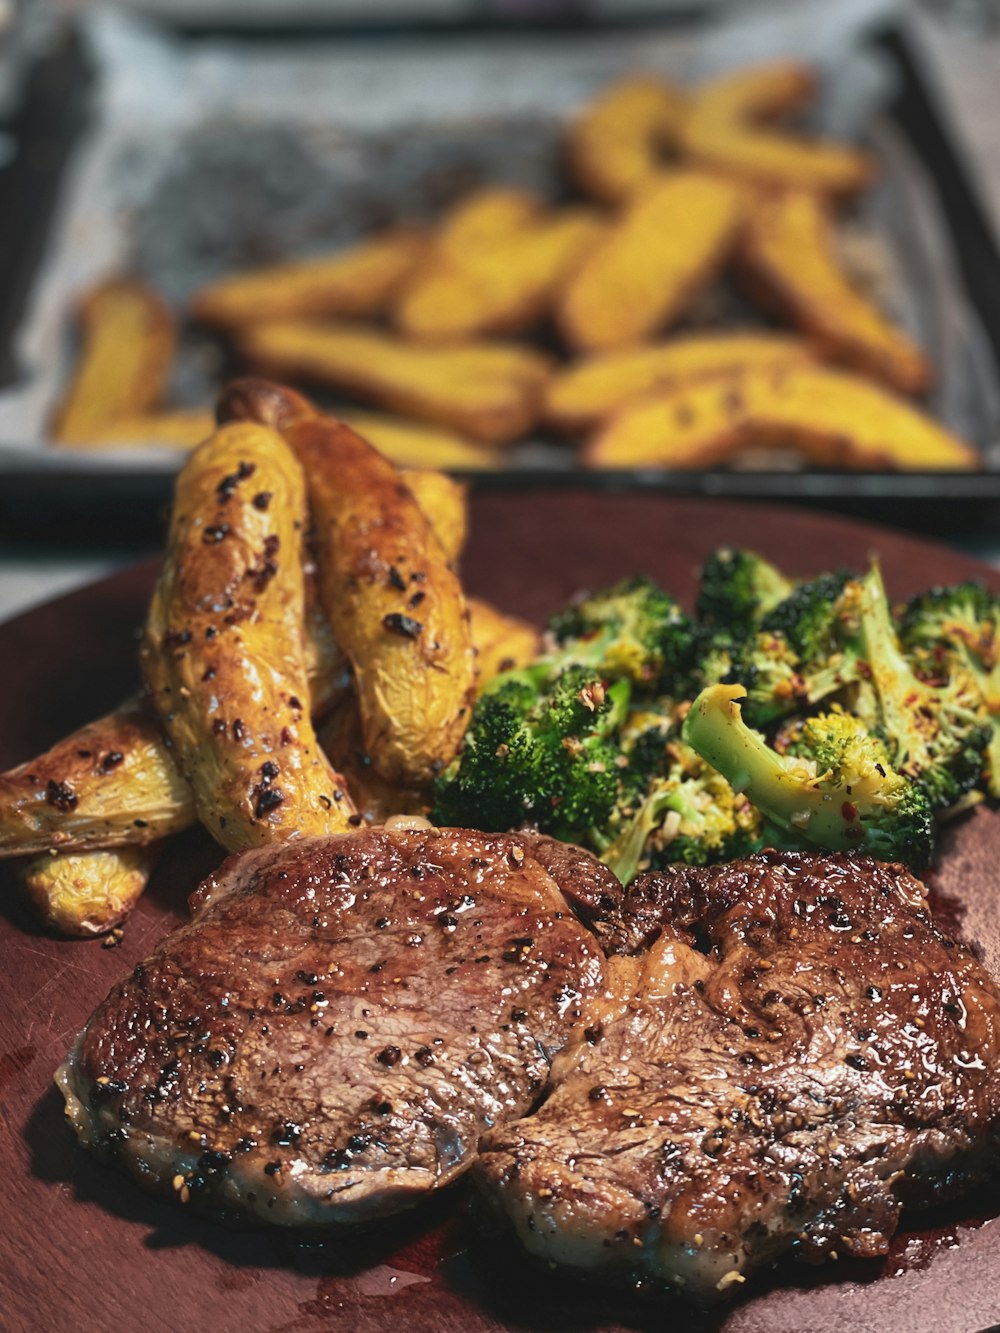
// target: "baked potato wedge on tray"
[[618, 143]]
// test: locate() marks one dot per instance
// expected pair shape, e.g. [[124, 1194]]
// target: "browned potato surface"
[[223, 655], [584, 393], [87, 893], [415, 444], [833, 417], [502, 287], [673, 237], [501, 641], [178, 428], [128, 340], [490, 391], [358, 280], [618, 142], [393, 599], [483, 217], [725, 129], [111, 782], [789, 259]]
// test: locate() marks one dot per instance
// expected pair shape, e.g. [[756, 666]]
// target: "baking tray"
[[97, 496]]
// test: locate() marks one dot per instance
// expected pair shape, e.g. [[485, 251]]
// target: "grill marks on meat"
[[788, 1050], [342, 1019]]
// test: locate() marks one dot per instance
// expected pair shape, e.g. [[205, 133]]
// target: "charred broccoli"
[[835, 788], [955, 631], [738, 588]]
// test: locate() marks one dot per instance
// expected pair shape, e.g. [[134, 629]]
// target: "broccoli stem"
[[824, 815], [623, 856]]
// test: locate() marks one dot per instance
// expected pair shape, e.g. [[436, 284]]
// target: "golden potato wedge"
[[789, 261], [392, 597], [673, 237], [444, 502], [490, 391], [357, 280], [837, 419], [501, 641], [585, 392], [223, 655], [179, 428], [128, 340], [414, 444], [724, 129], [342, 738], [482, 218], [503, 287], [87, 893], [618, 142], [112, 781]]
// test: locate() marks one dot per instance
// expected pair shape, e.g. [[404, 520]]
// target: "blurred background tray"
[[77, 144]]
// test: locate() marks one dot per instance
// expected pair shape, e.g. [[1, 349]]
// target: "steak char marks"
[[788, 1051], [328, 1038]]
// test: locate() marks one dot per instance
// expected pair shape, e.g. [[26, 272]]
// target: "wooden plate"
[[85, 1249]]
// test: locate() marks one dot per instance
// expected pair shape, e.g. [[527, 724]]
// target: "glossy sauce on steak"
[[328, 1038], [788, 1051]]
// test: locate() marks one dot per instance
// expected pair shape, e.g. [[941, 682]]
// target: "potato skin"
[[110, 782], [501, 641], [834, 418], [788, 262], [128, 342], [87, 893], [223, 655], [394, 602]]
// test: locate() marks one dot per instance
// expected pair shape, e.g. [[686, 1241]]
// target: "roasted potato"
[[482, 218], [617, 144], [444, 502], [490, 391], [673, 237], [358, 280], [178, 428], [585, 392], [501, 641], [394, 602], [111, 782], [833, 417], [414, 444], [87, 893], [725, 129], [223, 655], [128, 340], [503, 287], [789, 262]]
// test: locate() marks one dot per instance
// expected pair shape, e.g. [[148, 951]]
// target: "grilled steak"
[[788, 1051], [342, 1019]]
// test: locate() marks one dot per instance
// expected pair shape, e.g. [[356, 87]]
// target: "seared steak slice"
[[794, 1052], [342, 1019]]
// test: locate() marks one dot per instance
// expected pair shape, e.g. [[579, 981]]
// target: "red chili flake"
[[849, 811]]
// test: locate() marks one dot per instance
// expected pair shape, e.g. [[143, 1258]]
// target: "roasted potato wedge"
[[725, 129], [393, 599], [179, 428], [490, 391], [223, 655], [482, 218], [128, 340], [87, 893], [111, 782], [584, 393], [358, 280], [836, 419], [673, 237], [501, 641], [414, 444], [617, 144], [503, 287], [444, 502], [789, 262]]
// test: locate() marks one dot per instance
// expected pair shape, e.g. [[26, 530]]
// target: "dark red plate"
[[83, 1249]]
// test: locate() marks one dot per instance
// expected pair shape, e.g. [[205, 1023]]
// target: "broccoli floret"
[[937, 734], [738, 588], [632, 631], [544, 756], [687, 812], [836, 791], [956, 630]]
